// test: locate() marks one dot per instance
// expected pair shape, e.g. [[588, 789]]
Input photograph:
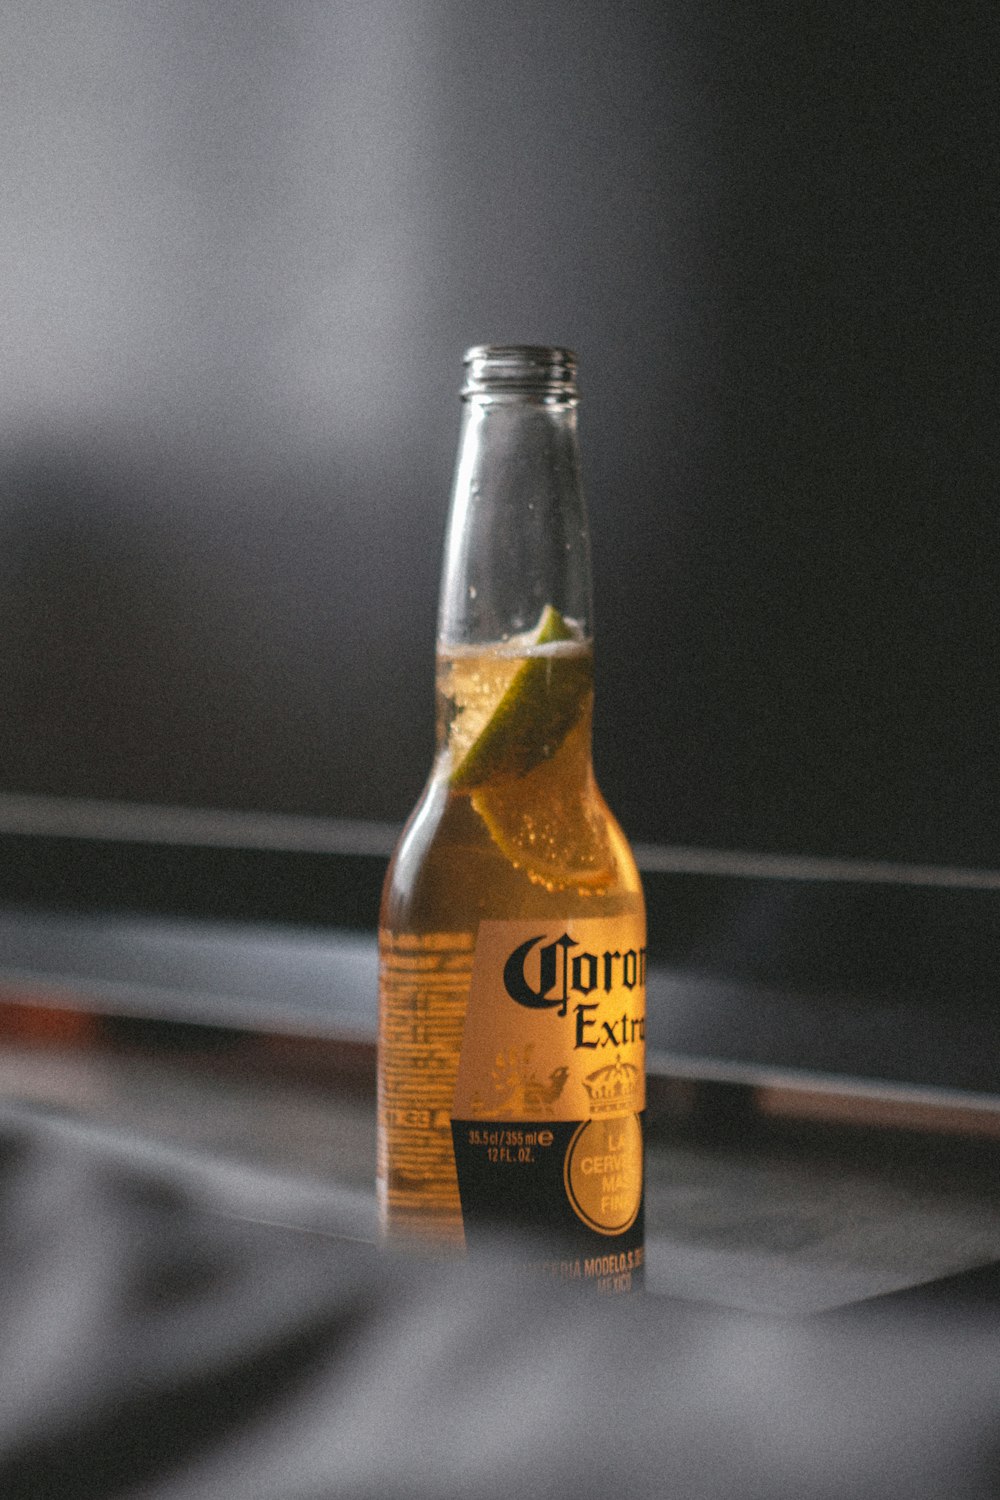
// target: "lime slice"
[[543, 826], [552, 627], [526, 760], [539, 706]]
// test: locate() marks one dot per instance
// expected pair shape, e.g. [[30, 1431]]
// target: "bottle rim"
[[520, 369]]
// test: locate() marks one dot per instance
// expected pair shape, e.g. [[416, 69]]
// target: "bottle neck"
[[549, 722], [517, 537]]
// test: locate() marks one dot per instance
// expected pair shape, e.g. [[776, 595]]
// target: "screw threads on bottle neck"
[[499, 370]]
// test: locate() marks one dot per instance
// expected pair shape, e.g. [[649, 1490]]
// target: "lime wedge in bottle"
[[539, 706], [541, 807], [557, 838]]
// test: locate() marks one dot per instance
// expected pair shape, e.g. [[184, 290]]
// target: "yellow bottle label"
[[556, 1021], [551, 1085], [424, 983]]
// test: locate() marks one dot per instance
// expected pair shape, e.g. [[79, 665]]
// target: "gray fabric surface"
[[162, 1342]]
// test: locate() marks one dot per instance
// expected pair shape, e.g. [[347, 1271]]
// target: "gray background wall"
[[242, 249]]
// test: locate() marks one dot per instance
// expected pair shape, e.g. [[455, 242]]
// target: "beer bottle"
[[511, 1082]]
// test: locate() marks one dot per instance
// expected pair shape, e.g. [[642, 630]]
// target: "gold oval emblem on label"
[[603, 1173]]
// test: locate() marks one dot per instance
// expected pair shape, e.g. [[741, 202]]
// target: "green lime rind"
[[538, 709], [552, 627]]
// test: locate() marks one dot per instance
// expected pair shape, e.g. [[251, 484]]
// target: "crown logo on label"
[[613, 1089]]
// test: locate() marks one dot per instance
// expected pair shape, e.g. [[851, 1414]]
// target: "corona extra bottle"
[[511, 1081]]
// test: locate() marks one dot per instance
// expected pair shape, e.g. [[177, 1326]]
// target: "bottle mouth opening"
[[519, 369]]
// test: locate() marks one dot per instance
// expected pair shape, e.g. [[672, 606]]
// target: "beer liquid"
[[521, 834]]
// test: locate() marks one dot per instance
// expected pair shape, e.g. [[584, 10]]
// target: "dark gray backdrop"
[[243, 248]]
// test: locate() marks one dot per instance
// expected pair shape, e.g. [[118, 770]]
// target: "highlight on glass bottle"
[[512, 929]]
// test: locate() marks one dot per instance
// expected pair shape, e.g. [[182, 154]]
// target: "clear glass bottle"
[[512, 929]]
